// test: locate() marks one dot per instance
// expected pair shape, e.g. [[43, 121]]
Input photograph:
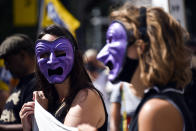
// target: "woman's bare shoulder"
[[158, 114], [87, 107]]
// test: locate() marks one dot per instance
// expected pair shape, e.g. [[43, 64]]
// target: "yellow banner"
[[25, 12], [55, 12]]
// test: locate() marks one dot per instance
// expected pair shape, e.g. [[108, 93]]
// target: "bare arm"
[[159, 115], [10, 127], [115, 117], [87, 108]]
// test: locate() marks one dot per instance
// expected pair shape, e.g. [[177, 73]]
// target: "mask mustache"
[[58, 71]]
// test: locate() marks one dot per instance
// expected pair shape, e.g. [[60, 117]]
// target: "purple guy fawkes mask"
[[113, 53], [55, 59]]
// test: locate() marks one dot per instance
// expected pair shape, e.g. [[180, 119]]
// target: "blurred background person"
[[17, 51], [98, 74], [93, 66], [7, 84]]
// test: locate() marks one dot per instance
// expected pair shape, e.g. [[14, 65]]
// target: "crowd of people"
[[141, 80]]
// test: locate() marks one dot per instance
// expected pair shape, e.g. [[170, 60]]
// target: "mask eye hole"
[[45, 55], [60, 53]]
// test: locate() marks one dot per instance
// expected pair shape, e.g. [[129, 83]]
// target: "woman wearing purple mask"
[[164, 66], [66, 90], [120, 55]]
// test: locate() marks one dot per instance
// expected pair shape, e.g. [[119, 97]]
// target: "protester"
[[66, 90], [93, 66], [18, 54], [120, 55], [164, 65], [98, 74]]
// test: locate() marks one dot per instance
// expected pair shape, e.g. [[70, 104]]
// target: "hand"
[[40, 97], [26, 115]]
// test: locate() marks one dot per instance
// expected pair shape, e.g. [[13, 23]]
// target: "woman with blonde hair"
[[164, 65]]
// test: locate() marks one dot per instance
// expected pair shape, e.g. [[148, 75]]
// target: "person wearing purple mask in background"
[[115, 54], [120, 55], [163, 68], [66, 90]]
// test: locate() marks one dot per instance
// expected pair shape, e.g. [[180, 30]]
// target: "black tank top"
[[169, 94], [61, 113]]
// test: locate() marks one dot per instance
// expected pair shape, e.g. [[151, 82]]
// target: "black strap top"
[[105, 125]]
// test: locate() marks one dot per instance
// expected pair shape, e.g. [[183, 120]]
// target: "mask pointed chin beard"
[[127, 71]]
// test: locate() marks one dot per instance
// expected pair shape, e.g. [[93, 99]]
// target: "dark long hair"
[[79, 79]]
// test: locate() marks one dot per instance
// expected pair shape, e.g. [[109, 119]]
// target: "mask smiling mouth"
[[110, 65], [57, 71]]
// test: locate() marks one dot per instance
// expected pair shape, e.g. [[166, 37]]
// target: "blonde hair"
[[165, 58]]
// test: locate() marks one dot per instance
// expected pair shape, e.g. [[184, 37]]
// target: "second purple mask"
[[114, 52]]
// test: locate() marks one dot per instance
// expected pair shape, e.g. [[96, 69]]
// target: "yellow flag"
[[55, 12], [25, 12]]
